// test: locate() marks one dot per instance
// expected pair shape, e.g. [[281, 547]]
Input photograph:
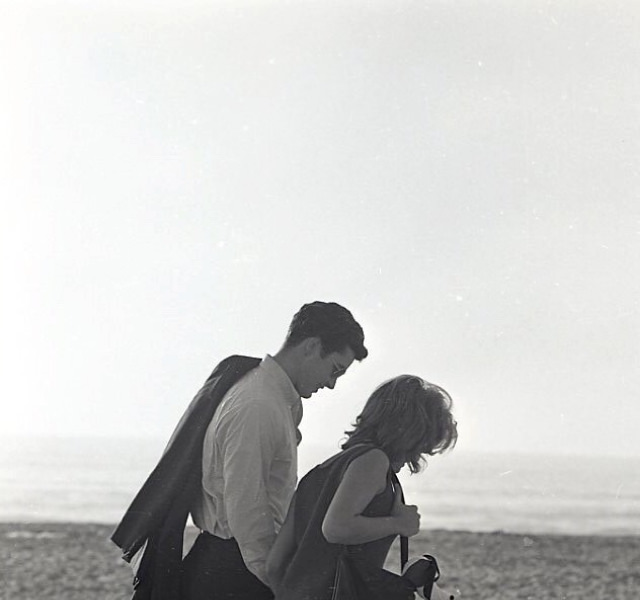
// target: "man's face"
[[324, 371]]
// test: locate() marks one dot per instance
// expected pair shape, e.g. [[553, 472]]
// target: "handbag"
[[359, 580], [424, 572]]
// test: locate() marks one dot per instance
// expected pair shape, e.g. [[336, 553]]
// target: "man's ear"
[[312, 347]]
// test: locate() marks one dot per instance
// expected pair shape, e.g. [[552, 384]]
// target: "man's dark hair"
[[332, 323]]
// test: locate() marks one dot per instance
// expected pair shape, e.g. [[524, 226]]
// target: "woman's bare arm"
[[365, 478]]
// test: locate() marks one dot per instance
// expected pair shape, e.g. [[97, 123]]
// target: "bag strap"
[[404, 541], [404, 551]]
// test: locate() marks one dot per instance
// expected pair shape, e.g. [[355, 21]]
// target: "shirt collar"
[[289, 393]]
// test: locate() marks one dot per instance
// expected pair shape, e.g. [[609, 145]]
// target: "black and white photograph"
[[320, 299]]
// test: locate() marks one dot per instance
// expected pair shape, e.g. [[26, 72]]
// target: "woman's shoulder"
[[372, 464], [373, 458], [363, 464], [356, 453], [361, 460], [367, 471]]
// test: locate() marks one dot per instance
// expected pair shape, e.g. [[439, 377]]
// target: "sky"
[[178, 178]]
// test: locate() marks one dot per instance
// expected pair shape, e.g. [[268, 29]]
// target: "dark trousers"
[[214, 570]]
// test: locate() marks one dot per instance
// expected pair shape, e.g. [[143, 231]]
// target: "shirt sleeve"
[[250, 439]]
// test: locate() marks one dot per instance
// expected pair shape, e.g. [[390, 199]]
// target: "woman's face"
[[405, 457], [397, 465], [400, 461]]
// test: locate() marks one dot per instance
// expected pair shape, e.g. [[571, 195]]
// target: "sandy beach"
[[77, 561]]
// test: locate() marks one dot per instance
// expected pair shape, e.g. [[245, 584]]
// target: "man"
[[246, 454]]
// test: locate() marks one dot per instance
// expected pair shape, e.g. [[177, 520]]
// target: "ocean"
[[94, 480]]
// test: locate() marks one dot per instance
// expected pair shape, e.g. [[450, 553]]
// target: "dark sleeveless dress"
[[311, 573]]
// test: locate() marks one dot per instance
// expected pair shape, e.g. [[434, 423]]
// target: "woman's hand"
[[407, 517]]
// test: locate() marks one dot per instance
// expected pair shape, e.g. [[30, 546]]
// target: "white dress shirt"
[[249, 463]]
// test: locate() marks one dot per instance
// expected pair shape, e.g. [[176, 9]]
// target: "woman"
[[351, 504]]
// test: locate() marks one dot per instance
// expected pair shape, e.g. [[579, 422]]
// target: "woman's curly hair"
[[407, 418]]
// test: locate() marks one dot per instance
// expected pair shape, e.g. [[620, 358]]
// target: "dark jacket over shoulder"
[[158, 514]]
